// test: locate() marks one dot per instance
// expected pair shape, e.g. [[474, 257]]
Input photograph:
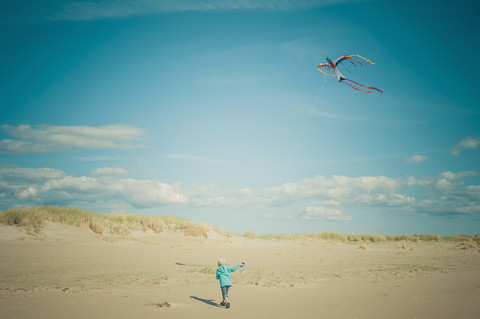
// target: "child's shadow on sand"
[[206, 301]]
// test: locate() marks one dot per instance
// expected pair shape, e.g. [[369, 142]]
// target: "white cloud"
[[445, 184], [46, 138], [146, 193], [322, 198], [365, 190], [416, 158], [45, 186], [466, 143]]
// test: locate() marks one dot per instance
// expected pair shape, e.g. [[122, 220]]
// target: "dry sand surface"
[[71, 272]]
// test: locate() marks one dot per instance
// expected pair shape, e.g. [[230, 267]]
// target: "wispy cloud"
[[466, 143], [94, 158], [408, 157], [194, 158], [46, 138], [89, 10], [323, 213], [323, 198], [85, 10], [109, 171], [337, 116], [416, 158]]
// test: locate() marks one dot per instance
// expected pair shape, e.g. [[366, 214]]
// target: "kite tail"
[[356, 60], [357, 86], [350, 58], [365, 59], [328, 69]]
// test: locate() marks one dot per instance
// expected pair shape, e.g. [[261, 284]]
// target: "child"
[[223, 274]]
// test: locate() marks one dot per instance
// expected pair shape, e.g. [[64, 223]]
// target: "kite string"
[[287, 166]]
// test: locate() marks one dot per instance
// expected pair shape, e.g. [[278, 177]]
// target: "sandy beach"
[[71, 272]]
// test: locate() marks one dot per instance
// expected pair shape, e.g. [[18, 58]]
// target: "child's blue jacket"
[[223, 274]]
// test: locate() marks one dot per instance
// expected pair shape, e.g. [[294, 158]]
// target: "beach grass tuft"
[[204, 269], [250, 234], [34, 218]]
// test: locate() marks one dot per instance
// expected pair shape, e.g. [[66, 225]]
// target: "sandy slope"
[[70, 272]]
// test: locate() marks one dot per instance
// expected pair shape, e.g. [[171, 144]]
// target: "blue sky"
[[214, 111]]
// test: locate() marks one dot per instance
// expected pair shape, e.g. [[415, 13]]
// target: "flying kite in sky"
[[355, 59]]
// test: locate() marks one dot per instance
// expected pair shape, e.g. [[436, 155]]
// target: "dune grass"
[[34, 218], [206, 269], [373, 238]]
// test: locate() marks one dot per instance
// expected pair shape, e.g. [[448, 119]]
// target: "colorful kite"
[[355, 59]]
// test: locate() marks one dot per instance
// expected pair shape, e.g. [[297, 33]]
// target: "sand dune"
[[71, 272]]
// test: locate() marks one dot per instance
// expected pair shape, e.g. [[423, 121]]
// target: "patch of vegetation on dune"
[[371, 238], [34, 218]]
